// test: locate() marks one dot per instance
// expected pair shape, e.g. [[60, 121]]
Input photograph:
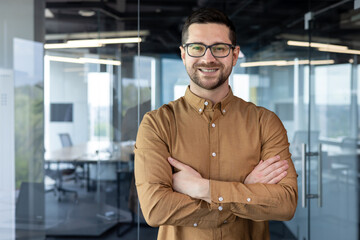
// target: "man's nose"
[[208, 56]]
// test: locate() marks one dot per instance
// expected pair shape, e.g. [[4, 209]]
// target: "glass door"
[[278, 80], [332, 157]]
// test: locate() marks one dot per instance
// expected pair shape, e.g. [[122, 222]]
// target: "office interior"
[[76, 78]]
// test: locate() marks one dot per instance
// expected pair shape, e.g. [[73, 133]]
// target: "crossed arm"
[[188, 181], [168, 198]]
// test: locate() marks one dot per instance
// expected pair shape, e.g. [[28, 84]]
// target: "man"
[[210, 165]]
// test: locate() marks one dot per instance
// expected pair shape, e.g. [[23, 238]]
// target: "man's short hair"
[[208, 15]]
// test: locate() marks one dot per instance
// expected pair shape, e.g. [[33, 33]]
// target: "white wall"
[[66, 84]]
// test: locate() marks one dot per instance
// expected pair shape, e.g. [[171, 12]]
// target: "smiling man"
[[210, 165]]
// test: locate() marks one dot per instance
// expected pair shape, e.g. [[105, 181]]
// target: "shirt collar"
[[199, 104]]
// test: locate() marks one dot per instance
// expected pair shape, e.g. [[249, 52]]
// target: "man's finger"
[[273, 167], [176, 163], [276, 172], [278, 178], [268, 162]]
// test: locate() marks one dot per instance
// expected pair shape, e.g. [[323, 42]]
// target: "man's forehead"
[[204, 32]]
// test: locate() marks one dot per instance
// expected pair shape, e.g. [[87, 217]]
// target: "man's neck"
[[215, 95]]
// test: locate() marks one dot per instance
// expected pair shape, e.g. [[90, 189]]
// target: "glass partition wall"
[[297, 68], [96, 92], [21, 120], [308, 75]]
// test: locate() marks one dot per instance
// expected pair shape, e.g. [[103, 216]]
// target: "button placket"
[[214, 142]]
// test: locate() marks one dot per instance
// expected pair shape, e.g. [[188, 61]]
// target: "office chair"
[[64, 172], [65, 140]]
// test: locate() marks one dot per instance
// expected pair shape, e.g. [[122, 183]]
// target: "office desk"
[[98, 154], [90, 152]]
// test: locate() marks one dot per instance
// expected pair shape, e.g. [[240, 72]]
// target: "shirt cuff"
[[225, 193]]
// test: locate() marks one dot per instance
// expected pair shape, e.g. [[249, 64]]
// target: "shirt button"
[[206, 103], [200, 109], [248, 199], [213, 125], [220, 208], [195, 224], [221, 199], [213, 154], [225, 221]]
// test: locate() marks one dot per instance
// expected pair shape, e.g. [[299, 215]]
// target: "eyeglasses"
[[218, 50]]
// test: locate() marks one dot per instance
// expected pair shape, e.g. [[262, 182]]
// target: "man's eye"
[[219, 49], [197, 48]]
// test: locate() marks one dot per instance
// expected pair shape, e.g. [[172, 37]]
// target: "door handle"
[[304, 194], [303, 175], [320, 176]]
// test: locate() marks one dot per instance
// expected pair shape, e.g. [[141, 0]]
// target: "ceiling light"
[[263, 63], [83, 60], [67, 45], [286, 63], [86, 13], [315, 45], [325, 47], [63, 59], [95, 35], [106, 41], [88, 43], [346, 51]]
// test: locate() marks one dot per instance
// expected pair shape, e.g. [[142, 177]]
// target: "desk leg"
[[88, 177]]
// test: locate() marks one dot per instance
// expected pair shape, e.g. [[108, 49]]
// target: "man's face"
[[209, 72]]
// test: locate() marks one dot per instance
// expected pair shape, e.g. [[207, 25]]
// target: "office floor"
[[67, 220]]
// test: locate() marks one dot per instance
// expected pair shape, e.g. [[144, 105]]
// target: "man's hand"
[[270, 171], [189, 182]]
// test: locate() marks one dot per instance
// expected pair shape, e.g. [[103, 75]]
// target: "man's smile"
[[208, 70]]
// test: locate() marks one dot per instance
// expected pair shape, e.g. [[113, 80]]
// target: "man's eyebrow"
[[209, 44]]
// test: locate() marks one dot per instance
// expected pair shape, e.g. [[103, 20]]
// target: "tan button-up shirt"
[[223, 142]]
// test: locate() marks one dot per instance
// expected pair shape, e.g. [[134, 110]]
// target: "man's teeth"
[[208, 70]]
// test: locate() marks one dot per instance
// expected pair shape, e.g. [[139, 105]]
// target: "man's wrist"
[[204, 190]]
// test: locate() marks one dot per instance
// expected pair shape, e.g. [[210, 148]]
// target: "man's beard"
[[194, 75]]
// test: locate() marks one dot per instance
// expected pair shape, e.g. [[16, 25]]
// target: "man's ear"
[[183, 52], [236, 55]]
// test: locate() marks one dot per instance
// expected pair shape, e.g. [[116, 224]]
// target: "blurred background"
[[76, 78]]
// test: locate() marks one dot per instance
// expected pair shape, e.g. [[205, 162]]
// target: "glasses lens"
[[220, 50], [196, 50]]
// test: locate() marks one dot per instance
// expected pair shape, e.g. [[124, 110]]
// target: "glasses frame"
[[185, 46]]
